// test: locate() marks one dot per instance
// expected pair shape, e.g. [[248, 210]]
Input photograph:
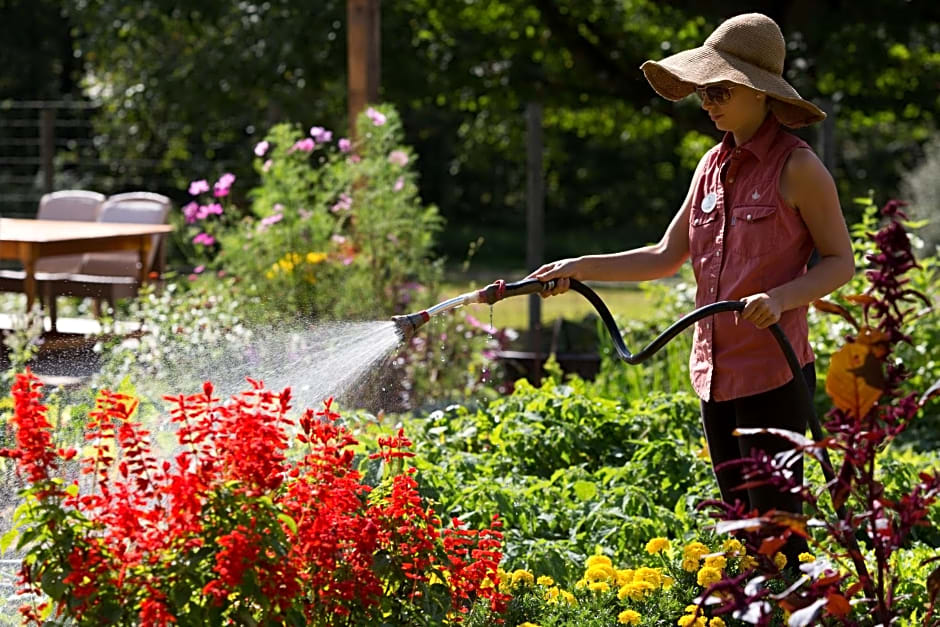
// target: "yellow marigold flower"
[[780, 560], [708, 576], [806, 557], [690, 565], [269, 274], [580, 583], [595, 560], [628, 617], [732, 547], [748, 562], [690, 620], [657, 545], [716, 561], [568, 597], [695, 550], [636, 591], [599, 586], [528, 624], [667, 582], [716, 622], [624, 576], [545, 580], [314, 257], [552, 594], [522, 577], [691, 609], [651, 576], [600, 572]]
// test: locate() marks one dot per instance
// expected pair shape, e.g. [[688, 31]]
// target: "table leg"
[[146, 243], [28, 257]]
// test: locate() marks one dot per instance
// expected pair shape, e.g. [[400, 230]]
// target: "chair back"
[[68, 204], [132, 207]]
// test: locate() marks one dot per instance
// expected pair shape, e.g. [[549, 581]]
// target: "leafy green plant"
[[335, 228]]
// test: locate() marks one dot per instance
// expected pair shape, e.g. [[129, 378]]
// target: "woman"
[[759, 203]]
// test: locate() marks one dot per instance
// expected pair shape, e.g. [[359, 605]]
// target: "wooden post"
[[47, 147], [362, 56], [535, 223]]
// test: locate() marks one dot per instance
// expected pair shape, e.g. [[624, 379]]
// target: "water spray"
[[406, 326]]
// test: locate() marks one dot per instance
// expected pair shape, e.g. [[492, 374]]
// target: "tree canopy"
[[190, 87]]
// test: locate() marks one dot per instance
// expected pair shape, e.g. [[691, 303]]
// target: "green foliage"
[[567, 471], [335, 232]]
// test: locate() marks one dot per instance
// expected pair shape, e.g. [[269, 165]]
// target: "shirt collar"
[[759, 144]]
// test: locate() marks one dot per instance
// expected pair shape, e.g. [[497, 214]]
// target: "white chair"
[[110, 276], [69, 204], [136, 207]]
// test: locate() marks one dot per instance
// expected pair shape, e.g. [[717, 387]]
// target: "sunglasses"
[[718, 94]]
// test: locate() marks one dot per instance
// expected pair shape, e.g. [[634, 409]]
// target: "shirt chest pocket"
[[703, 228], [753, 230]]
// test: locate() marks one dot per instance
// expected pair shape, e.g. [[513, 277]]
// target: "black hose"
[[677, 327]]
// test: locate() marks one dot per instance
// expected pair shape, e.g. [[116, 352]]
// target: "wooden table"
[[28, 240]]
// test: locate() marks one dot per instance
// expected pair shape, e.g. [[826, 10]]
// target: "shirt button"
[[718, 252], [711, 289], [748, 217], [704, 259]]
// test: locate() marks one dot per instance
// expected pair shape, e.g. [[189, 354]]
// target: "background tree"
[[188, 88]]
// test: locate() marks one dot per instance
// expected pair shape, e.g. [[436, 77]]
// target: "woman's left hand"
[[761, 309]]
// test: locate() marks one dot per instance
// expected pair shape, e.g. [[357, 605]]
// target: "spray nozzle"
[[407, 324]]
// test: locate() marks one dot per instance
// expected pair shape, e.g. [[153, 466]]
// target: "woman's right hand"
[[561, 271]]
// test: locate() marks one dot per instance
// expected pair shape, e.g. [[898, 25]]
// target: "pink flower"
[[398, 157], [223, 185], [205, 239], [204, 211], [191, 212], [355, 158], [343, 204], [274, 218], [198, 269], [261, 148], [344, 144], [321, 135], [277, 208], [304, 145], [267, 165], [198, 187], [338, 239], [378, 119], [399, 183]]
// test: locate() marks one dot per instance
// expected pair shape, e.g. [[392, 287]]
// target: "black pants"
[[778, 408]]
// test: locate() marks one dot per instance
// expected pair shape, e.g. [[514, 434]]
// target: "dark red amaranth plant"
[[870, 408]]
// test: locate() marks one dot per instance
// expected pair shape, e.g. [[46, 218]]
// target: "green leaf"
[[7, 538], [288, 522], [585, 490]]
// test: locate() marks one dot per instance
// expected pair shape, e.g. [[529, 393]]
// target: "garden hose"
[[407, 324]]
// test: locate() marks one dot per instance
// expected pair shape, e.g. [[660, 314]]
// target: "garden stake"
[[407, 324]]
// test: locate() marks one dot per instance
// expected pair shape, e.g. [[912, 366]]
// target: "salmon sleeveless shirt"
[[745, 239]]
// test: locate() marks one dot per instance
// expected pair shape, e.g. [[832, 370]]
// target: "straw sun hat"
[[748, 50]]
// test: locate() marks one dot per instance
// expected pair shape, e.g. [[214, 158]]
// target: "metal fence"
[[52, 145]]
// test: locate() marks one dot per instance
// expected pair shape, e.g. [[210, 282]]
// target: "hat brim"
[[676, 76]]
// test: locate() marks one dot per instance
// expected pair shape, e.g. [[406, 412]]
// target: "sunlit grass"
[[624, 301]]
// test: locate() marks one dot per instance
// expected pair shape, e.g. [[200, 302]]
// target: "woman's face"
[[732, 106]]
